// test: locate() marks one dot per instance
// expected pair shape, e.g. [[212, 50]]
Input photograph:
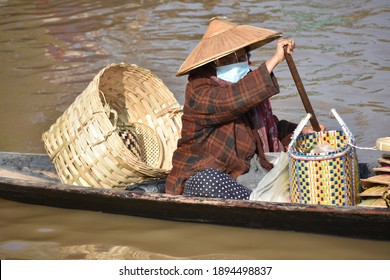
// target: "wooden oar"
[[301, 90]]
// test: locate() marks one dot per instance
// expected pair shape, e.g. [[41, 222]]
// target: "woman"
[[227, 119]]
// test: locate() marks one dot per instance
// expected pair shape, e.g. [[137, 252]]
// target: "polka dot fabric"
[[214, 183]]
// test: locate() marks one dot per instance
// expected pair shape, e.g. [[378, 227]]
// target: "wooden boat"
[[31, 178]]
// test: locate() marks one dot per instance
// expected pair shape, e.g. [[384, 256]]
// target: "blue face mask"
[[233, 72]]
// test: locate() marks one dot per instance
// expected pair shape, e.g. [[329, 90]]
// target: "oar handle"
[[301, 90]]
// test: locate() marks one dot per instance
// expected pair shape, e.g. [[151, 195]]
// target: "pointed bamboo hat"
[[222, 38]]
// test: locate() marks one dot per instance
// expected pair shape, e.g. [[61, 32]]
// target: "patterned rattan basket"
[[329, 178], [122, 129]]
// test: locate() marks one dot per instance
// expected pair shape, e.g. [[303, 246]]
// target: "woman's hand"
[[279, 53], [309, 129]]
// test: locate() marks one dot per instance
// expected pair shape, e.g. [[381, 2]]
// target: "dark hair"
[[248, 55], [204, 71]]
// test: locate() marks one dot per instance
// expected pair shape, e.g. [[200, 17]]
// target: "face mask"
[[233, 72]]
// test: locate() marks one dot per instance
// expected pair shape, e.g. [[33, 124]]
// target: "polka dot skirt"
[[214, 183]]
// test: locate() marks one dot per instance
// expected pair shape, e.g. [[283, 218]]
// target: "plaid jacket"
[[216, 132]]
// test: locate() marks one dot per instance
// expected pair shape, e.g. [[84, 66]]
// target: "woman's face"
[[235, 57]]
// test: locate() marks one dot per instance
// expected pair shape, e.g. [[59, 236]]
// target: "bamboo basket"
[[121, 130], [328, 178]]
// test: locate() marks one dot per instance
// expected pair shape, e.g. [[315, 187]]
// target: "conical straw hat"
[[222, 38]]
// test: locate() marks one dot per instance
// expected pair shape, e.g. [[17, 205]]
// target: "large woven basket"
[[122, 129], [329, 178]]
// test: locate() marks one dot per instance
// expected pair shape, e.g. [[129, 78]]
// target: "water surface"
[[50, 51]]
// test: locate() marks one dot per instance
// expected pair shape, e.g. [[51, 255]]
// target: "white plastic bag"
[[275, 184]]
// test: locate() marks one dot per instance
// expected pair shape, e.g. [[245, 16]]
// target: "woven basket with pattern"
[[329, 178], [122, 129]]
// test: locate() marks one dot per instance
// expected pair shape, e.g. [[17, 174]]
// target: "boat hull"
[[359, 222]]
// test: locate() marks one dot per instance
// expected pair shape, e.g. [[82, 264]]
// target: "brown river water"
[[50, 51]]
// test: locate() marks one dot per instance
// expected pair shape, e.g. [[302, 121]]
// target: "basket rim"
[[330, 155]]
